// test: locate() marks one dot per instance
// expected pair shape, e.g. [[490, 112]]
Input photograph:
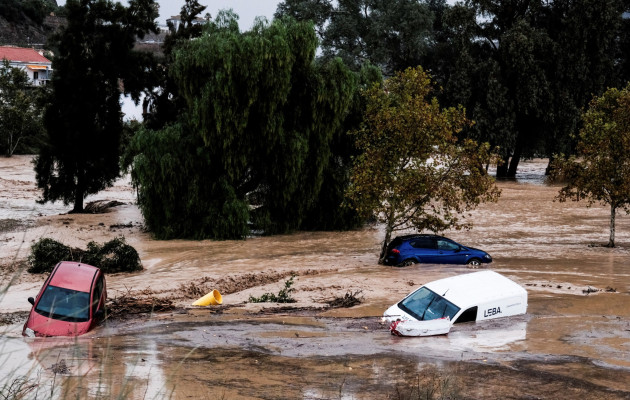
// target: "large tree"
[[600, 171], [20, 116], [253, 141], [391, 34], [524, 69], [163, 102], [413, 172], [95, 62]]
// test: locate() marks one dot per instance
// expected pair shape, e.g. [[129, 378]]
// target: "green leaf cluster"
[[283, 296]]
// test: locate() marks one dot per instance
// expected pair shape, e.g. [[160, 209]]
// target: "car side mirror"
[[31, 300], [458, 249], [99, 314]]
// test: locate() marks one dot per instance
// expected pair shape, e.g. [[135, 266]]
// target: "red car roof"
[[75, 276]]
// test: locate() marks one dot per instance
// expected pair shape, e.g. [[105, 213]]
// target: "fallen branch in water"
[[137, 303]]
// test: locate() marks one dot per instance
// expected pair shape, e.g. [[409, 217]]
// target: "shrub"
[[45, 254], [113, 256], [284, 295]]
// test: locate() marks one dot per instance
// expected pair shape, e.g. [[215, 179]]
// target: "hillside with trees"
[[29, 22]]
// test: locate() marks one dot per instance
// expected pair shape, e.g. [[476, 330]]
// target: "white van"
[[435, 307]]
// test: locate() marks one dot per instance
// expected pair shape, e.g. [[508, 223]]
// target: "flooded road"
[[571, 344]]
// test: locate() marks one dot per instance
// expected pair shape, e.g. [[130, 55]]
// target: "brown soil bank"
[[573, 343]]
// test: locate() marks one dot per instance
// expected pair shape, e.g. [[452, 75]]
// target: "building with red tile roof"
[[37, 67]]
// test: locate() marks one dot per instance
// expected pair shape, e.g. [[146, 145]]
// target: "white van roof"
[[481, 287]]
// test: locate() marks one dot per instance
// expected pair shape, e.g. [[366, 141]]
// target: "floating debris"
[[589, 290]]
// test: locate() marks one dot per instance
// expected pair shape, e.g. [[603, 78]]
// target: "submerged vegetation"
[[283, 296], [113, 256]]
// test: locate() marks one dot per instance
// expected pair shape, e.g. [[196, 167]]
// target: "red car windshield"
[[64, 304]]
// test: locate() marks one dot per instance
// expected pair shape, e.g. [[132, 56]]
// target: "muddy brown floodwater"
[[569, 345]]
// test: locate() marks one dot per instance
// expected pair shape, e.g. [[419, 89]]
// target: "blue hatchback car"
[[432, 249]]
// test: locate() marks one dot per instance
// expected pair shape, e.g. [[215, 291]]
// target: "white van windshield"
[[424, 305]]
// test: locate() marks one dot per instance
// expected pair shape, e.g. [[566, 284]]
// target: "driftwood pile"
[[100, 206], [130, 304], [350, 299]]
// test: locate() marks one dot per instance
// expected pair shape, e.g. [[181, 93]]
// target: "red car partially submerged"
[[71, 302]]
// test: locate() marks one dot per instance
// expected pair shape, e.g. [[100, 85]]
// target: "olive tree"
[[412, 171], [600, 170]]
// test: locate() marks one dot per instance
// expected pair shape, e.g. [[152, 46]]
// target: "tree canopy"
[[83, 120], [163, 102], [20, 114], [253, 142], [412, 171], [600, 170], [523, 69], [390, 34]]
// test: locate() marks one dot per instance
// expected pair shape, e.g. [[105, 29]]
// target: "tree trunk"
[[516, 158], [78, 194], [549, 165], [502, 168], [78, 201], [613, 213], [388, 237]]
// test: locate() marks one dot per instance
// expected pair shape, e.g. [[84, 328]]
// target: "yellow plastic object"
[[212, 298]]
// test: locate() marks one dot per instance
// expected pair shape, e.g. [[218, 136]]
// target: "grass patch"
[[283, 296]]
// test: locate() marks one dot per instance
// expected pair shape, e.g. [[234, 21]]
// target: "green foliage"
[[600, 170], [525, 69], [252, 145], [46, 253], [20, 117], [283, 296], [412, 171], [391, 34], [113, 256], [180, 194], [95, 53], [163, 102]]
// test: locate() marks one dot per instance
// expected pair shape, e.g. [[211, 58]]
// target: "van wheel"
[[407, 262], [474, 263]]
